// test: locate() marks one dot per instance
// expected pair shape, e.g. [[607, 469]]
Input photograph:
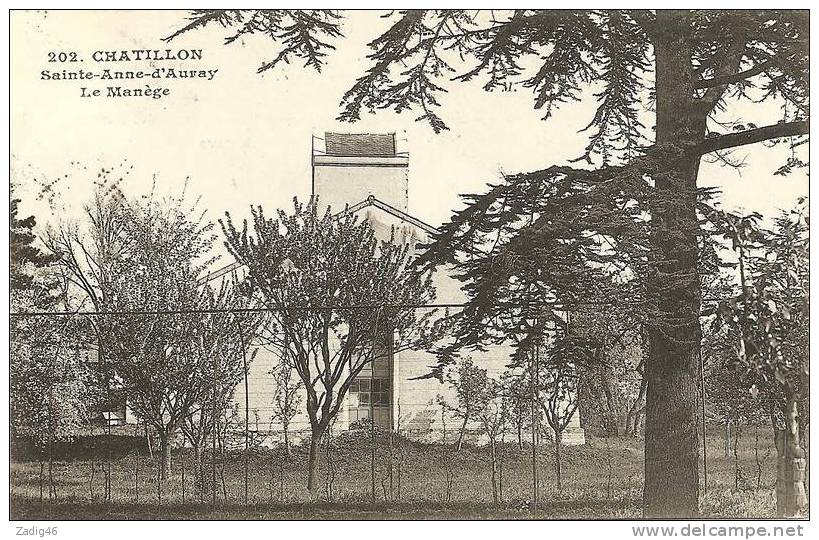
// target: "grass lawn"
[[602, 479]]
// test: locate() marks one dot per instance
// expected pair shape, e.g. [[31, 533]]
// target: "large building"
[[367, 175]]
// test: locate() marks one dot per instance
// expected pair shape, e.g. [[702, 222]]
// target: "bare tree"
[[218, 344], [558, 400], [336, 295], [287, 399], [493, 410], [556, 382], [157, 362], [141, 256], [90, 253], [469, 383]]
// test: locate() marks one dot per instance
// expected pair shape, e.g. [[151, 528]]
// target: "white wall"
[[338, 184], [420, 415]]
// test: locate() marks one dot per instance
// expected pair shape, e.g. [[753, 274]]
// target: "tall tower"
[[355, 166]]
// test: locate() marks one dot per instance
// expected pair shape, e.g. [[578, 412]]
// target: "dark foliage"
[[22, 251]]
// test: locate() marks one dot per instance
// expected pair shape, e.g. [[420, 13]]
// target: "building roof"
[[400, 214], [359, 144]]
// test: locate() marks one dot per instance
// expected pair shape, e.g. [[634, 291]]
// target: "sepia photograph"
[[381, 264]]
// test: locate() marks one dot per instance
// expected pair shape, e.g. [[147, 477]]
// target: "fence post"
[[51, 489], [372, 409], [182, 466], [534, 382], [214, 427], [103, 360], [704, 447], [136, 462], [159, 480], [247, 403], [400, 448], [372, 435]]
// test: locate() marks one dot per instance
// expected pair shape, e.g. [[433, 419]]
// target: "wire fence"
[[417, 453], [392, 470], [561, 306]]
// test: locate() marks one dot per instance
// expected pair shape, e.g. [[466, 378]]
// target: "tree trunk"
[[165, 444], [638, 422], [461, 433], [182, 470], [737, 469], [52, 490], [327, 480], [558, 464], [42, 477], [93, 464], [671, 483], [611, 393], [633, 416], [520, 429], [199, 470], [281, 477], [148, 442], [791, 498], [136, 464], [312, 460], [758, 461], [494, 456], [611, 417], [500, 471], [391, 462]]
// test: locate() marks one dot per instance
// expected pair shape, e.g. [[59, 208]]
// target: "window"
[[366, 389]]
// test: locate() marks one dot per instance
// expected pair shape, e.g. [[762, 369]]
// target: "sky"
[[244, 138]]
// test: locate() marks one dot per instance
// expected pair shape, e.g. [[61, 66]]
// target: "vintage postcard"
[[390, 264]]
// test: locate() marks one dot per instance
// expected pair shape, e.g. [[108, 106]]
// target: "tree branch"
[[751, 136], [727, 67], [735, 78]]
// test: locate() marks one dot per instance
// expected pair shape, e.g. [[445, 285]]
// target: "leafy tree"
[[158, 358], [490, 403], [551, 376], [729, 397], [469, 382], [768, 321], [559, 387], [304, 34], [24, 256], [221, 364], [48, 381], [520, 404], [732, 393], [48, 392], [143, 256], [335, 293], [692, 70], [88, 254]]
